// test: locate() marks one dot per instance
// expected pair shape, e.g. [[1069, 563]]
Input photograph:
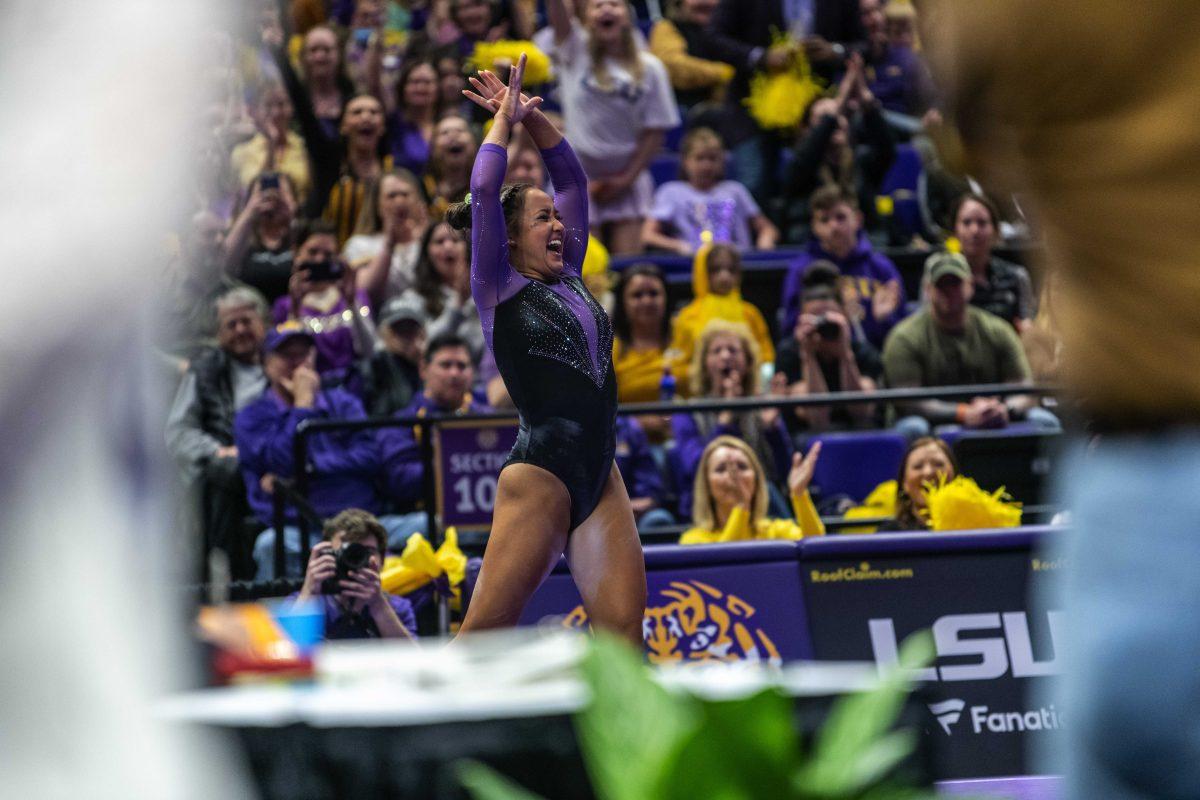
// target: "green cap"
[[939, 265]]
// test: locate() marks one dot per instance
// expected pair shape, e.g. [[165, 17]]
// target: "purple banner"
[[708, 603], [467, 459]]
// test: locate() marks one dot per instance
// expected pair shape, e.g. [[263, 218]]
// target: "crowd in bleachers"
[[317, 277]]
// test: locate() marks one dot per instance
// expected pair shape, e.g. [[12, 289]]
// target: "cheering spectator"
[[343, 465], [703, 206], [874, 297], [275, 148], [726, 366], [617, 104], [447, 373], [419, 104], [731, 498], [448, 176], [322, 297], [392, 375], [451, 82], [359, 169], [641, 332], [355, 607], [832, 152], [640, 472], [928, 459], [443, 287], [1001, 287], [698, 64], [258, 249], [823, 356], [219, 382], [716, 285], [950, 342], [895, 74], [386, 243]]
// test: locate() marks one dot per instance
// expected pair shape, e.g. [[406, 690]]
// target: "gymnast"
[[559, 491]]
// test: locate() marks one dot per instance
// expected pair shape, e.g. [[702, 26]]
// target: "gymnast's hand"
[[503, 101]]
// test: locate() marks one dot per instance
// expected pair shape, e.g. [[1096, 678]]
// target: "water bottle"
[[666, 386]]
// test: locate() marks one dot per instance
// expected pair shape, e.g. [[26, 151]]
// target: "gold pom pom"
[[506, 52], [777, 101], [960, 505]]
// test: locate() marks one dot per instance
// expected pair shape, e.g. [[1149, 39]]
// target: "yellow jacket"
[[737, 527], [695, 315], [685, 71]]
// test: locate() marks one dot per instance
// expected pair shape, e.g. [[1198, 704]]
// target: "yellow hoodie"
[[737, 527]]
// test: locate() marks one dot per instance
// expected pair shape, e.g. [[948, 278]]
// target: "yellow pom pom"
[[881, 502], [506, 52], [960, 505], [885, 205], [777, 101], [953, 245]]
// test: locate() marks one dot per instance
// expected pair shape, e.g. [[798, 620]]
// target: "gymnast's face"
[[536, 247]]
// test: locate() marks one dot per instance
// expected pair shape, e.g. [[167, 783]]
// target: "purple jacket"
[[869, 268], [901, 82], [344, 465], [402, 450], [637, 465]]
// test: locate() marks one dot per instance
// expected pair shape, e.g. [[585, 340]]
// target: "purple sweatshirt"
[[867, 267], [493, 279]]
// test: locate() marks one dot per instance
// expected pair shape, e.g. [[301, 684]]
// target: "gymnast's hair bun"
[[458, 215]]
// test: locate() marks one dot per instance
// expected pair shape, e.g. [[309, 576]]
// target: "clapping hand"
[[801, 474], [503, 101]]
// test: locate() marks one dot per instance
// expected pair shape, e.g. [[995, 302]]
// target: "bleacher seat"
[[664, 167], [902, 184], [1019, 458], [854, 463]]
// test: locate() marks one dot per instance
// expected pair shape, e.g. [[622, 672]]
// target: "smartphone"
[[268, 180], [324, 270]]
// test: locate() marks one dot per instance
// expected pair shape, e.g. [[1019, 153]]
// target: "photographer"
[[322, 297], [822, 356], [343, 575]]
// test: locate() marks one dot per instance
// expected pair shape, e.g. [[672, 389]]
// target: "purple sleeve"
[[404, 612], [490, 272], [571, 202], [790, 302], [345, 452]]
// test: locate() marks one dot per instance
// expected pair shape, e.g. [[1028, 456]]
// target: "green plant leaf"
[[632, 726], [744, 749], [485, 783], [855, 747]]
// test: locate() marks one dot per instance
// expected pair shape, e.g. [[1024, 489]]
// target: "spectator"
[[258, 249], [833, 152], [731, 496], [419, 104], [275, 148], [322, 297], [641, 333], [874, 298], [392, 375], [605, 78], [359, 608], [641, 474], [726, 366], [703, 206], [748, 29], [443, 287], [823, 356], [448, 176], [1001, 287], [343, 465], [949, 343], [447, 373], [474, 21], [386, 243], [219, 382], [716, 285], [1041, 338], [895, 74], [359, 169], [927, 460], [696, 62], [451, 82], [197, 281]]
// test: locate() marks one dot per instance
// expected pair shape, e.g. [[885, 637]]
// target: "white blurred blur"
[[98, 98]]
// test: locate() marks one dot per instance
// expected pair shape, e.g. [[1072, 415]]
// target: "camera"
[[323, 270], [827, 329], [350, 557]]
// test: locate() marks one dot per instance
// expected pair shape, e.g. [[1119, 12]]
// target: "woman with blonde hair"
[[617, 105], [730, 497]]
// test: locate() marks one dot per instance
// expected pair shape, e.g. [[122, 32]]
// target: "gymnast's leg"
[[606, 561], [529, 532]]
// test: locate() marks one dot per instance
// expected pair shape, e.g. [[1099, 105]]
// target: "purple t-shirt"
[[725, 209], [332, 330], [493, 279]]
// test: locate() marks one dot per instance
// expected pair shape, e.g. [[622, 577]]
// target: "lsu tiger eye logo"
[[693, 621]]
